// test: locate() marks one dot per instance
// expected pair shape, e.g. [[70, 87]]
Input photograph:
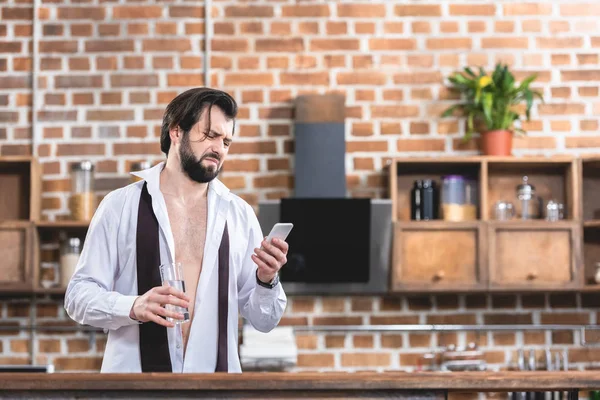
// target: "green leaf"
[[470, 123], [488, 101], [470, 72], [529, 99], [526, 82], [450, 110]]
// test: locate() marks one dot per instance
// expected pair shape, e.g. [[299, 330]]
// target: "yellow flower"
[[484, 81]]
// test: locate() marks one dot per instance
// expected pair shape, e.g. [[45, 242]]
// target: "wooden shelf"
[[594, 223], [53, 290], [62, 224], [487, 254], [590, 288]]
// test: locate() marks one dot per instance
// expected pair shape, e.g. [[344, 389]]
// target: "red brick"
[[242, 79], [110, 115], [78, 81], [418, 78], [136, 148], [513, 9], [420, 144], [281, 28], [279, 164], [81, 30], [365, 359], [449, 27], [254, 28], [12, 47], [58, 46], [49, 346], [160, 29], [581, 75], [224, 28], [504, 26], [137, 12], [476, 26], [78, 363], [277, 62], [305, 10], [504, 43], [315, 360], [249, 11], [392, 44], [449, 43], [361, 10], [336, 28], [186, 11], [48, 116], [582, 141], [561, 109], [429, 10], [86, 149], [366, 146], [472, 9], [580, 9], [363, 28], [291, 45], [559, 43], [531, 25], [361, 78], [83, 98], [185, 80], [334, 44], [171, 45], [17, 13], [96, 46], [255, 147], [394, 111], [230, 45]]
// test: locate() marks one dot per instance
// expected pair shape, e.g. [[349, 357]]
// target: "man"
[[179, 212]]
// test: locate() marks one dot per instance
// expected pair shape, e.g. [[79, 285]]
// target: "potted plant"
[[493, 104]]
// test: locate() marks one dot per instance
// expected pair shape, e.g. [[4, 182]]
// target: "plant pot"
[[496, 143]]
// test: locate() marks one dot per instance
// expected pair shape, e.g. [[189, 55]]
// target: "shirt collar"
[[152, 177]]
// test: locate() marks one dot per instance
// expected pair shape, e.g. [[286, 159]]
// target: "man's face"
[[202, 152]]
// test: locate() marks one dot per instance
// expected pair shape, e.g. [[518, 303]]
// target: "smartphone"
[[280, 231]]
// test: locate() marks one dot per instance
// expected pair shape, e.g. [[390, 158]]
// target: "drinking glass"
[[172, 275]]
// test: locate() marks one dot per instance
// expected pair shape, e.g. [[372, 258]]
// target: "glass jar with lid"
[[459, 198], [528, 203], [138, 166], [83, 198], [69, 257]]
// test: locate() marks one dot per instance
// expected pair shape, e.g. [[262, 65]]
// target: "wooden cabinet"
[[534, 255], [430, 256], [16, 243], [490, 254], [20, 199]]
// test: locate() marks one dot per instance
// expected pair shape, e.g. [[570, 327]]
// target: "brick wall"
[[105, 71]]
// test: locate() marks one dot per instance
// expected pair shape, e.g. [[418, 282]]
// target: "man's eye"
[[227, 143]]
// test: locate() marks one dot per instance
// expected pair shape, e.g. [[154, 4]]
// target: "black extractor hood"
[[339, 244]]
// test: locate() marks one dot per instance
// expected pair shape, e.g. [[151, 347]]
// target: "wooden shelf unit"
[[486, 254], [20, 205]]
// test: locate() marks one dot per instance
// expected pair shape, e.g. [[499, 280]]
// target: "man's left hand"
[[270, 258]]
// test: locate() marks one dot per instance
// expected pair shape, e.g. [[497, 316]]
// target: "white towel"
[[272, 350]]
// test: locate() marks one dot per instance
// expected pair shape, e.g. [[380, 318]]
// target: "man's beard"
[[193, 167]]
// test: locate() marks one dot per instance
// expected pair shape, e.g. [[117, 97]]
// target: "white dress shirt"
[[104, 285]]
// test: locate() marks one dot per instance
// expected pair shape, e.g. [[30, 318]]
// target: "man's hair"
[[185, 110]]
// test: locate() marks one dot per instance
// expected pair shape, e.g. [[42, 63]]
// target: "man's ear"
[[175, 134]]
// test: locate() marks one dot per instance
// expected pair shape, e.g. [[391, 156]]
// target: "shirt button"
[[178, 346]]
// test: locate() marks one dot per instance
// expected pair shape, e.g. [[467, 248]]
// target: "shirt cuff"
[[122, 309], [264, 292]]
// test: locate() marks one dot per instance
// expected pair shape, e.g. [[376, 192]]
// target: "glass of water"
[[172, 275]]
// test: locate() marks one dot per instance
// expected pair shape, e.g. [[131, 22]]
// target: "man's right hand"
[[150, 305]]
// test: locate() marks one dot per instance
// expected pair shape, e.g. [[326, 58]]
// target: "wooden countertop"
[[257, 381]]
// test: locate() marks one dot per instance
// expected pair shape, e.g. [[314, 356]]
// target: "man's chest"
[[188, 225]]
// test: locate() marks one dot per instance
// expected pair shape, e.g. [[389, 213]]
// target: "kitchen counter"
[[257, 385]]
